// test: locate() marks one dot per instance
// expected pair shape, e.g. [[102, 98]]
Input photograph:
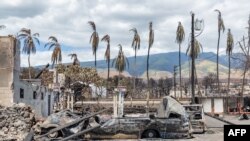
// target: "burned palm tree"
[[136, 46], [229, 50], [180, 36], [120, 62], [75, 59], [197, 50], [30, 42], [56, 56], [221, 27], [94, 39], [106, 38], [150, 44]]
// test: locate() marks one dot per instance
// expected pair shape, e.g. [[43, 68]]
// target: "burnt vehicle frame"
[[170, 121], [66, 125], [197, 117]]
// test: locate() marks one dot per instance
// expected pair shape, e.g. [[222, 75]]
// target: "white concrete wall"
[[207, 105], [218, 105], [102, 91], [39, 105]]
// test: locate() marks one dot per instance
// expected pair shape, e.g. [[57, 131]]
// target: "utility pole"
[[193, 59], [175, 80]]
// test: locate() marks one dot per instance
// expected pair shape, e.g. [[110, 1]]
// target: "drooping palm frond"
[[230, 42], [29, 45], [136, 40], [92, 24], [73, 55], [53, 39], [25, 31], [94, 39], [151, 35], [95, 42], [75, 59], [197, 49], [57, 53], [36, 34], [180, 33], [220, 21], [120, 62], [37, 40], [106, 38]]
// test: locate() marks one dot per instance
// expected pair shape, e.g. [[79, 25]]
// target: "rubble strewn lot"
[[16, 122]]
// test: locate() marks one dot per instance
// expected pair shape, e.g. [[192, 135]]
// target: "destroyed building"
[[15, 90]]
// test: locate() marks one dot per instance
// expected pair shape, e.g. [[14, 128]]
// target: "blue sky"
[[67, 20]]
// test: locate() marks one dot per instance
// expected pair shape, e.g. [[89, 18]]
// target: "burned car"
[[170, 121], [197, 117], [65, 124]]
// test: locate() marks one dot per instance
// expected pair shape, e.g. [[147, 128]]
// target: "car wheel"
[[54, 134], [150, 134]]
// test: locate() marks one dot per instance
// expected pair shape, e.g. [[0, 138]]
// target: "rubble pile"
[[16, 122]]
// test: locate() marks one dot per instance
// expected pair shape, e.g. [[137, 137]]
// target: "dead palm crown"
[[75, 59], [94, 39], [57, 53], [106, 38], [120, 62], [150, 44], [180, 36], [136, 40], [29, 45], [197, 49], [230, 42], [220, 27], [220, 21], [229, 50]]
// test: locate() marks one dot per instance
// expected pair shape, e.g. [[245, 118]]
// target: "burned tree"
[[245, 61], [164, 86], [209, 81]]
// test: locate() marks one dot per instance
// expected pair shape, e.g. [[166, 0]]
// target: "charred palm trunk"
[[108, 68], [217, 59], [148, 81], [180, 68], [95, 60], [148, 66], [29, 66], [228, 85], [107, 86], [131, 99], [229, 73], [193, 61]]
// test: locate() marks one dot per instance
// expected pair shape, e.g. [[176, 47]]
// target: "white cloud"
[[67, 20]]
